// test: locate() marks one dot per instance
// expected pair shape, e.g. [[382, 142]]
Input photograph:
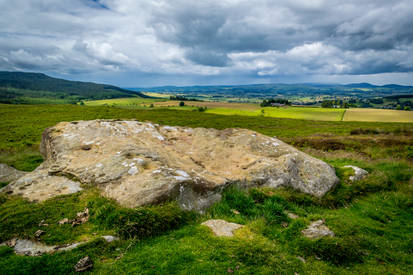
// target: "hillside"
[[359, 90], [21, 87]]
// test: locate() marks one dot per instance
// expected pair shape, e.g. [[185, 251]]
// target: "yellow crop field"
[[122, 102], [382, 115], [152, 94]]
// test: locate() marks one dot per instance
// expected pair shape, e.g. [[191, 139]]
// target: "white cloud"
[[211, 38]]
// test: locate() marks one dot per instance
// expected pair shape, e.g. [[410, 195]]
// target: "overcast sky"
[[183, 42]]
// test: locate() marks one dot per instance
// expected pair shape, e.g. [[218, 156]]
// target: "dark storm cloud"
[[265, 38]]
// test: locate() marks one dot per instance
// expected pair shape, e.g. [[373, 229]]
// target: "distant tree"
[[181, 104], [376, 100], [327, 104], [270, 102], [182, 98], [151, 106], [82, 103]]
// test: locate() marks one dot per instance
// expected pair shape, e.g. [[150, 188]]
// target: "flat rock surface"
[[139, 163], [8, 173], [317, 230], [222, 228], [32, 248], [39, 185]]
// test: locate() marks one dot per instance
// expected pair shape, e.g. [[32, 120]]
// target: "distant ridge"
[[321, 85], [281, 90], [24, 87], [361, 85]]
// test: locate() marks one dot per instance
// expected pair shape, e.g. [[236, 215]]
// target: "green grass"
[[372, 218], [20, 218]]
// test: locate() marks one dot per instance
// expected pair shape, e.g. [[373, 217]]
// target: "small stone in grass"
[[38, 233], [84, 264]]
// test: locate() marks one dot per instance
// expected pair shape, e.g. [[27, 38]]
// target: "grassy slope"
[[373, 219]]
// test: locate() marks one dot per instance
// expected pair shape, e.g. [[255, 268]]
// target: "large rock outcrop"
[[143, 163]]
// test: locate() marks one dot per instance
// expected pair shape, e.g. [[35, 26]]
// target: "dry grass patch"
[[359, 114]]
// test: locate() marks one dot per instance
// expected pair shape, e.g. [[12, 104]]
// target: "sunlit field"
[[359, 114], [286, 112], [253, 109], [122, 102], [211, 104]]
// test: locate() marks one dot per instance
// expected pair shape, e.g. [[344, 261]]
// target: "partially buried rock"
[[81, 217], [317, 230], [64, 221], [292, 215], [139, 163], [222, 228], [359, 173], [34, 248], [38, 233], [84, 264], [42, 223], [110, 238]]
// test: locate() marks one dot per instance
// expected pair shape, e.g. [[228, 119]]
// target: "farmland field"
[[211, 104], [253, 109], [361, 114], [122, 102], [287, 112]]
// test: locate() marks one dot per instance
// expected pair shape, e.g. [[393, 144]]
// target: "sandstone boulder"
[[143, 163]]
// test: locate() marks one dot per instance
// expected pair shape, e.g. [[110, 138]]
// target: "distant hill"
[[32, 88], [361, 85], [360, 90]]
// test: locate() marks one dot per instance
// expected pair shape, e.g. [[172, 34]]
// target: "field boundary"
[[342, 116]]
